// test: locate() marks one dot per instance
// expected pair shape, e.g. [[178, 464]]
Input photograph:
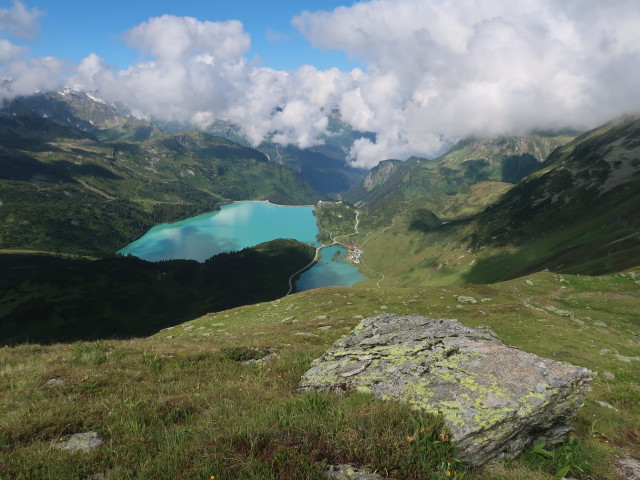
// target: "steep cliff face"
[[380, 174]]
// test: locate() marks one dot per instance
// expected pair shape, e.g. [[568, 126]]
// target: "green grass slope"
[[504, 159], [578, 214], [182, 404], [47, 299]]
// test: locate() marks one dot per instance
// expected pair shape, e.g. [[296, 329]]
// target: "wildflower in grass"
[[410, 438], [443, 437], [448, 473]]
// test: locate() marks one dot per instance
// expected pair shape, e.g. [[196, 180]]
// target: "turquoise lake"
[[240, 225], [330, 270]]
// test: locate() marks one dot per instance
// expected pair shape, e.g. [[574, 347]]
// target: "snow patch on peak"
[[95, 99]]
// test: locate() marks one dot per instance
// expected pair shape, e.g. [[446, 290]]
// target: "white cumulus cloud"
[[21, 76], [19, 21], [441, 70], [196, 69], [9, 51], [29, 76], [197, 73], [436, 71]]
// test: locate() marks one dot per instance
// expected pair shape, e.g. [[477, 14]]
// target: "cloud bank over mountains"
[[437, 71]]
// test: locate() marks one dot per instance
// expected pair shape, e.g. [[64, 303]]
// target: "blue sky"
[[72, 29]]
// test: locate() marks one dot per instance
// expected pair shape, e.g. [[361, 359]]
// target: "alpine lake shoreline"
[[208, 234]]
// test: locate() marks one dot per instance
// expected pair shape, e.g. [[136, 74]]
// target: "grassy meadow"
[[184, 404]]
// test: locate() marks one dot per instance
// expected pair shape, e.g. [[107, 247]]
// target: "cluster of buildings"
[[354, 254]]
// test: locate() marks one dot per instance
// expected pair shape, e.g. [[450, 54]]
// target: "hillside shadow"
[[424, 220], [516, 167], [24, 168], [590, 256]]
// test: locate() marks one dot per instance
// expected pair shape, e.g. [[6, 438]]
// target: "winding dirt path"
[[356, 231], [367, 266]]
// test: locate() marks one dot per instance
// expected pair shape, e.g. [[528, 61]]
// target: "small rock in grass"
[[608, 375], [349, 472], [465, 299], [271, 354], [83, 442], [529, 282], [606, 405], [54, 382], [600, 324]]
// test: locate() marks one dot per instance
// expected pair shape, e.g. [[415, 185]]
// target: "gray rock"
[[608, 375], [606, 405], [79, 442], [465, 299], [629, 467], [496, 400], [54, 382], [272, 354], [349, 472]]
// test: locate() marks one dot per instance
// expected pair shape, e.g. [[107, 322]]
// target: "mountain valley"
[[190, 370]]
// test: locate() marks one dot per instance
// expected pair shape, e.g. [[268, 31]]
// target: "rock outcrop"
[[496, 399]]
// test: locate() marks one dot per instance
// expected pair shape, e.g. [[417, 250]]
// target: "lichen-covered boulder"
[[495, 399]]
